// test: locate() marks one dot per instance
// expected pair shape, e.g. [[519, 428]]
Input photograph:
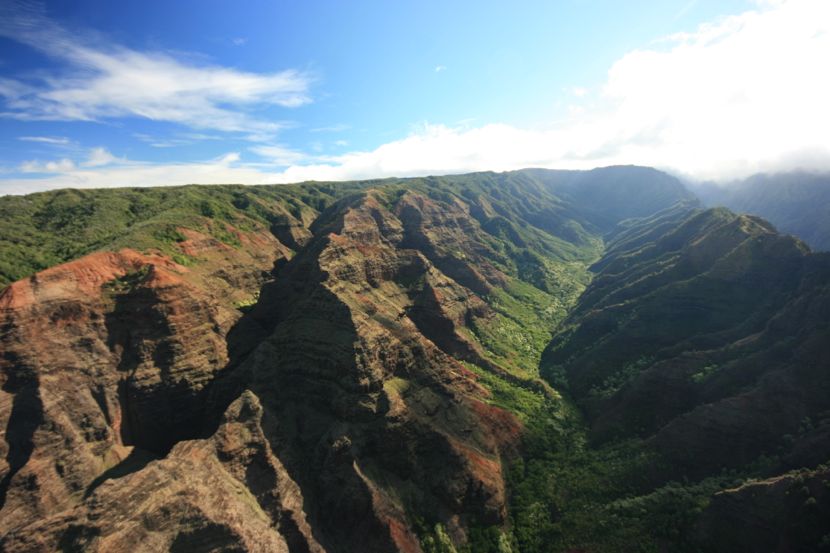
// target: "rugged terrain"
[[796, 202], [526, 361]]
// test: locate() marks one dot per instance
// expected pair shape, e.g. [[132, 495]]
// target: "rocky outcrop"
[[106, 359], [354, 349], [100, 355], [226, 493], [451, 239], [313, 374], [376, 420]]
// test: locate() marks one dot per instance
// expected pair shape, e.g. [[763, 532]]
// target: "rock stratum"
[[526, 361]]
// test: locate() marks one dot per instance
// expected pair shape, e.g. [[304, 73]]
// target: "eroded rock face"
[[226, 493], [368, 418], [102, 358], [450, 238], [376, 420], [92, 366], [306, 386]]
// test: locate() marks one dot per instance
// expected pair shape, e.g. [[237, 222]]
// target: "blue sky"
[[101, 93]]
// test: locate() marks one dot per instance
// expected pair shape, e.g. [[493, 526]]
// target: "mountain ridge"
[[796, 202], [361, 368]]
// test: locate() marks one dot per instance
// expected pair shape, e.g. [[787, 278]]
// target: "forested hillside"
[[529, 361], [796, 203]]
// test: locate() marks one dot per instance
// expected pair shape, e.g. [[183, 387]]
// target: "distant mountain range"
[[518, 362], [796, 203]]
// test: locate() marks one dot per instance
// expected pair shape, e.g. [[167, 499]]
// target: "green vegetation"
[[525, 318], [247, 303], [480, 540], [614, 382], [673, 311], [41, 230], [569, 495], [128, 281], [796, 203]]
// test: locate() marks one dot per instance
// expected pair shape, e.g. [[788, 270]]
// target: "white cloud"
[[741, 95], [55, 140], [177, 139], [105, 81], [59, 166], [239, 41], [280, 155], [159, 142], [439, 68], [99, 157], [224, 169], [744, 94]]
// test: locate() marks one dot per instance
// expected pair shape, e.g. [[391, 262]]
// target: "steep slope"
[[376, 417], [105, 358], [796, 203], [357, 367], [704, 348], [226, 493], [607, 195], [366, 348], [675, 324], [788, 512]]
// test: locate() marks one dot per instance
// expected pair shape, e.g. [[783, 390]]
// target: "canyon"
[[524, 361]]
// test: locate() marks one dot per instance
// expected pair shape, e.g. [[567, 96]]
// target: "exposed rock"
[[100, 356], [374, 418], [447, 235], [226, 493], [353, 350], [305, 385]]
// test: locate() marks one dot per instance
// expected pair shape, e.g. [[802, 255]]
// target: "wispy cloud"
[[223, 169], [744, 94], [54, 140], [162, 142], [332, 128], [279, 155], [178, 139], [95, 157], [440, 68], [98, 157], [102, 81], [59, 166], [239, 41], [741, 95]]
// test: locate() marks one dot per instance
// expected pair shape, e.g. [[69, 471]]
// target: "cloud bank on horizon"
[[740, 95]]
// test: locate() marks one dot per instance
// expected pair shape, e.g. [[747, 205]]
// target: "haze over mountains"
[[525, 361], [797, 203]]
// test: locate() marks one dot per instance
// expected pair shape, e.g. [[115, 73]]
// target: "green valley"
[[530, 361]]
